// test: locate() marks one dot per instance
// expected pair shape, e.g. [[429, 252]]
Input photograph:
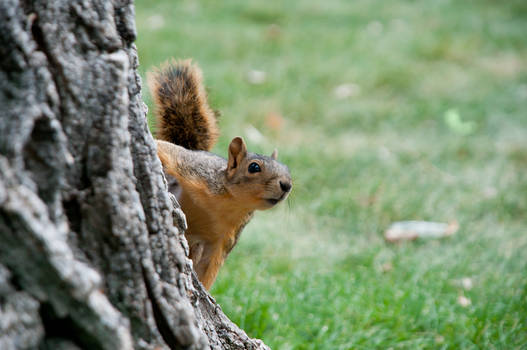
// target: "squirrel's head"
[[259, 181]]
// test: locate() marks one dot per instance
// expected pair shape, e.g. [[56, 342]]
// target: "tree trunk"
[[89, 254]]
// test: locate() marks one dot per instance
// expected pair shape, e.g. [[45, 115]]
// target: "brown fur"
[[220, 201], [183, 115], [218, 196]]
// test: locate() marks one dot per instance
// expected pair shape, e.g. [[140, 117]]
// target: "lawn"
[[384, 111]]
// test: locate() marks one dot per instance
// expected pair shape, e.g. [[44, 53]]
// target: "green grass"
[[312, 274]]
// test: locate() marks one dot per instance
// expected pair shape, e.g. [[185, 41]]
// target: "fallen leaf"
[[387, 267], [410, 230], [273, 31], [466, 283], [346, 90], [454, 122], [463, 301], [256, 77], [274, 121]]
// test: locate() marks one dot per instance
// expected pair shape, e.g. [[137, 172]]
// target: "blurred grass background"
[[384, 111]]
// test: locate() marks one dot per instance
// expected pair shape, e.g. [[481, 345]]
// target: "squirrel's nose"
[[285, 186]]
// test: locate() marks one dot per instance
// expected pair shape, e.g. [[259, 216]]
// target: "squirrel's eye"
[[254, 168]]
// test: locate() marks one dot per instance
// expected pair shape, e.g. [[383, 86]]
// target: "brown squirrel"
[[218, 195]]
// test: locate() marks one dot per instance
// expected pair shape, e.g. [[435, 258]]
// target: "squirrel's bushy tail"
[[183, 116]]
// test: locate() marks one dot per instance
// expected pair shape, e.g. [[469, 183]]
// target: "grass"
[[316, 272]]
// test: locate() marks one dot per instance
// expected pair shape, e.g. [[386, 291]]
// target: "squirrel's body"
[[218, 195]]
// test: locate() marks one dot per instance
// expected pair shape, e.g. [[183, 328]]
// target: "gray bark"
[[89, 254]]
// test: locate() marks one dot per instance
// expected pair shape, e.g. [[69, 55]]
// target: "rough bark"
[[89, 254]]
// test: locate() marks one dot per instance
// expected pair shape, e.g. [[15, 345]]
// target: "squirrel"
[[217, 195]]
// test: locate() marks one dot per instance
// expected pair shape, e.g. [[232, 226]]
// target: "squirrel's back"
[[183, 116]]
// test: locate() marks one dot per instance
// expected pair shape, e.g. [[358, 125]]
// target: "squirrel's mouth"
[[274, 201]]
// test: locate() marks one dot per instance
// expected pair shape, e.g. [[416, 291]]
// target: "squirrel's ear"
[[237, 151], [274, 155]]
